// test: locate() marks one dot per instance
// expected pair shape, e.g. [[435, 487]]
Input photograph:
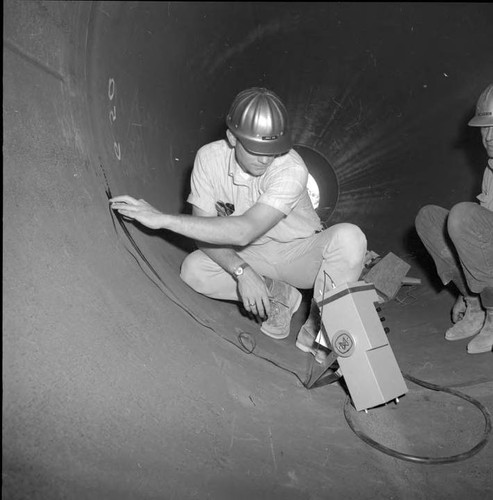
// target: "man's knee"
[[423, 218], [353, 241], [460, 218], [191, 275], [426, 219]]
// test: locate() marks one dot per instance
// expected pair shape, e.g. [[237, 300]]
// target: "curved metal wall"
[[114, 386]]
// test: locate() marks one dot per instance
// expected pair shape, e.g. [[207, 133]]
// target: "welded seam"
[[201, 322], [119, 218], [168, 292], [32, 60]]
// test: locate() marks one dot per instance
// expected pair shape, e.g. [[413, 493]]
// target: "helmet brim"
[[481, 121], [278, 146]]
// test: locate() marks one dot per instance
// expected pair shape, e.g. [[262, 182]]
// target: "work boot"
[[306, 343], [284, 302], [484, 341], [470, 324], [308, 333]]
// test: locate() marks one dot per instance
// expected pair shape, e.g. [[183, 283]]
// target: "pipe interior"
[[119, 380]]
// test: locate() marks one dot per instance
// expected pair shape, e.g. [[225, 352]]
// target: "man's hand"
[[459, 309], [240, 230], [139, 210], [254, 293]]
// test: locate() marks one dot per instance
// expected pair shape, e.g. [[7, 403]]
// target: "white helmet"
[[259, 120], [484, 109]]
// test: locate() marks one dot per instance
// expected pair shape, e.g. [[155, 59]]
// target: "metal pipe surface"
[[119, 381]]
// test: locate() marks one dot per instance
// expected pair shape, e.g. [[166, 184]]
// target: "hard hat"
[[259, 120], [484, 109]]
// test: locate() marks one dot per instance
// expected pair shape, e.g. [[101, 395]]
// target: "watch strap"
[[238, 271]]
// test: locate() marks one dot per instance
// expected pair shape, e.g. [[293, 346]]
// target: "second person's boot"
[[471, 323]]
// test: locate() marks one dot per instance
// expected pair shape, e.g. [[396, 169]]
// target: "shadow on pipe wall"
[[378, 90]]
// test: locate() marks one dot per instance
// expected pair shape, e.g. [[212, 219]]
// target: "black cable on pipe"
[[427, 460], [247, 345]]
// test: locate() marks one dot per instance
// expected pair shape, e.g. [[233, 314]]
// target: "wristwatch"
[[238, 271]]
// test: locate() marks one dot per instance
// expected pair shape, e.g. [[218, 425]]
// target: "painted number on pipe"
[[111, 89], [116, 147], [112, 115]]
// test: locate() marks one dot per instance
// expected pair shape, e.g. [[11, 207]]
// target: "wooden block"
[[387, 275], [407, 280]]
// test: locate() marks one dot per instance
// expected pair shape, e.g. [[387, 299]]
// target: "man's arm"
[[251, 286], [238, 230], [234, 230]]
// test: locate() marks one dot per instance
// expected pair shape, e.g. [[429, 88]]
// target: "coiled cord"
[[419, 459]]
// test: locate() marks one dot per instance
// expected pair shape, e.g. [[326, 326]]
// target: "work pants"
[[460, 241], [341, 249]]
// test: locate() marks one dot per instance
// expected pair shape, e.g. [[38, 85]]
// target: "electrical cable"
[[419, 459], [245, 338], [434, 387], [246, 341]]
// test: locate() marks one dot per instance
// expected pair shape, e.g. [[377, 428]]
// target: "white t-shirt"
[[218, 184]]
